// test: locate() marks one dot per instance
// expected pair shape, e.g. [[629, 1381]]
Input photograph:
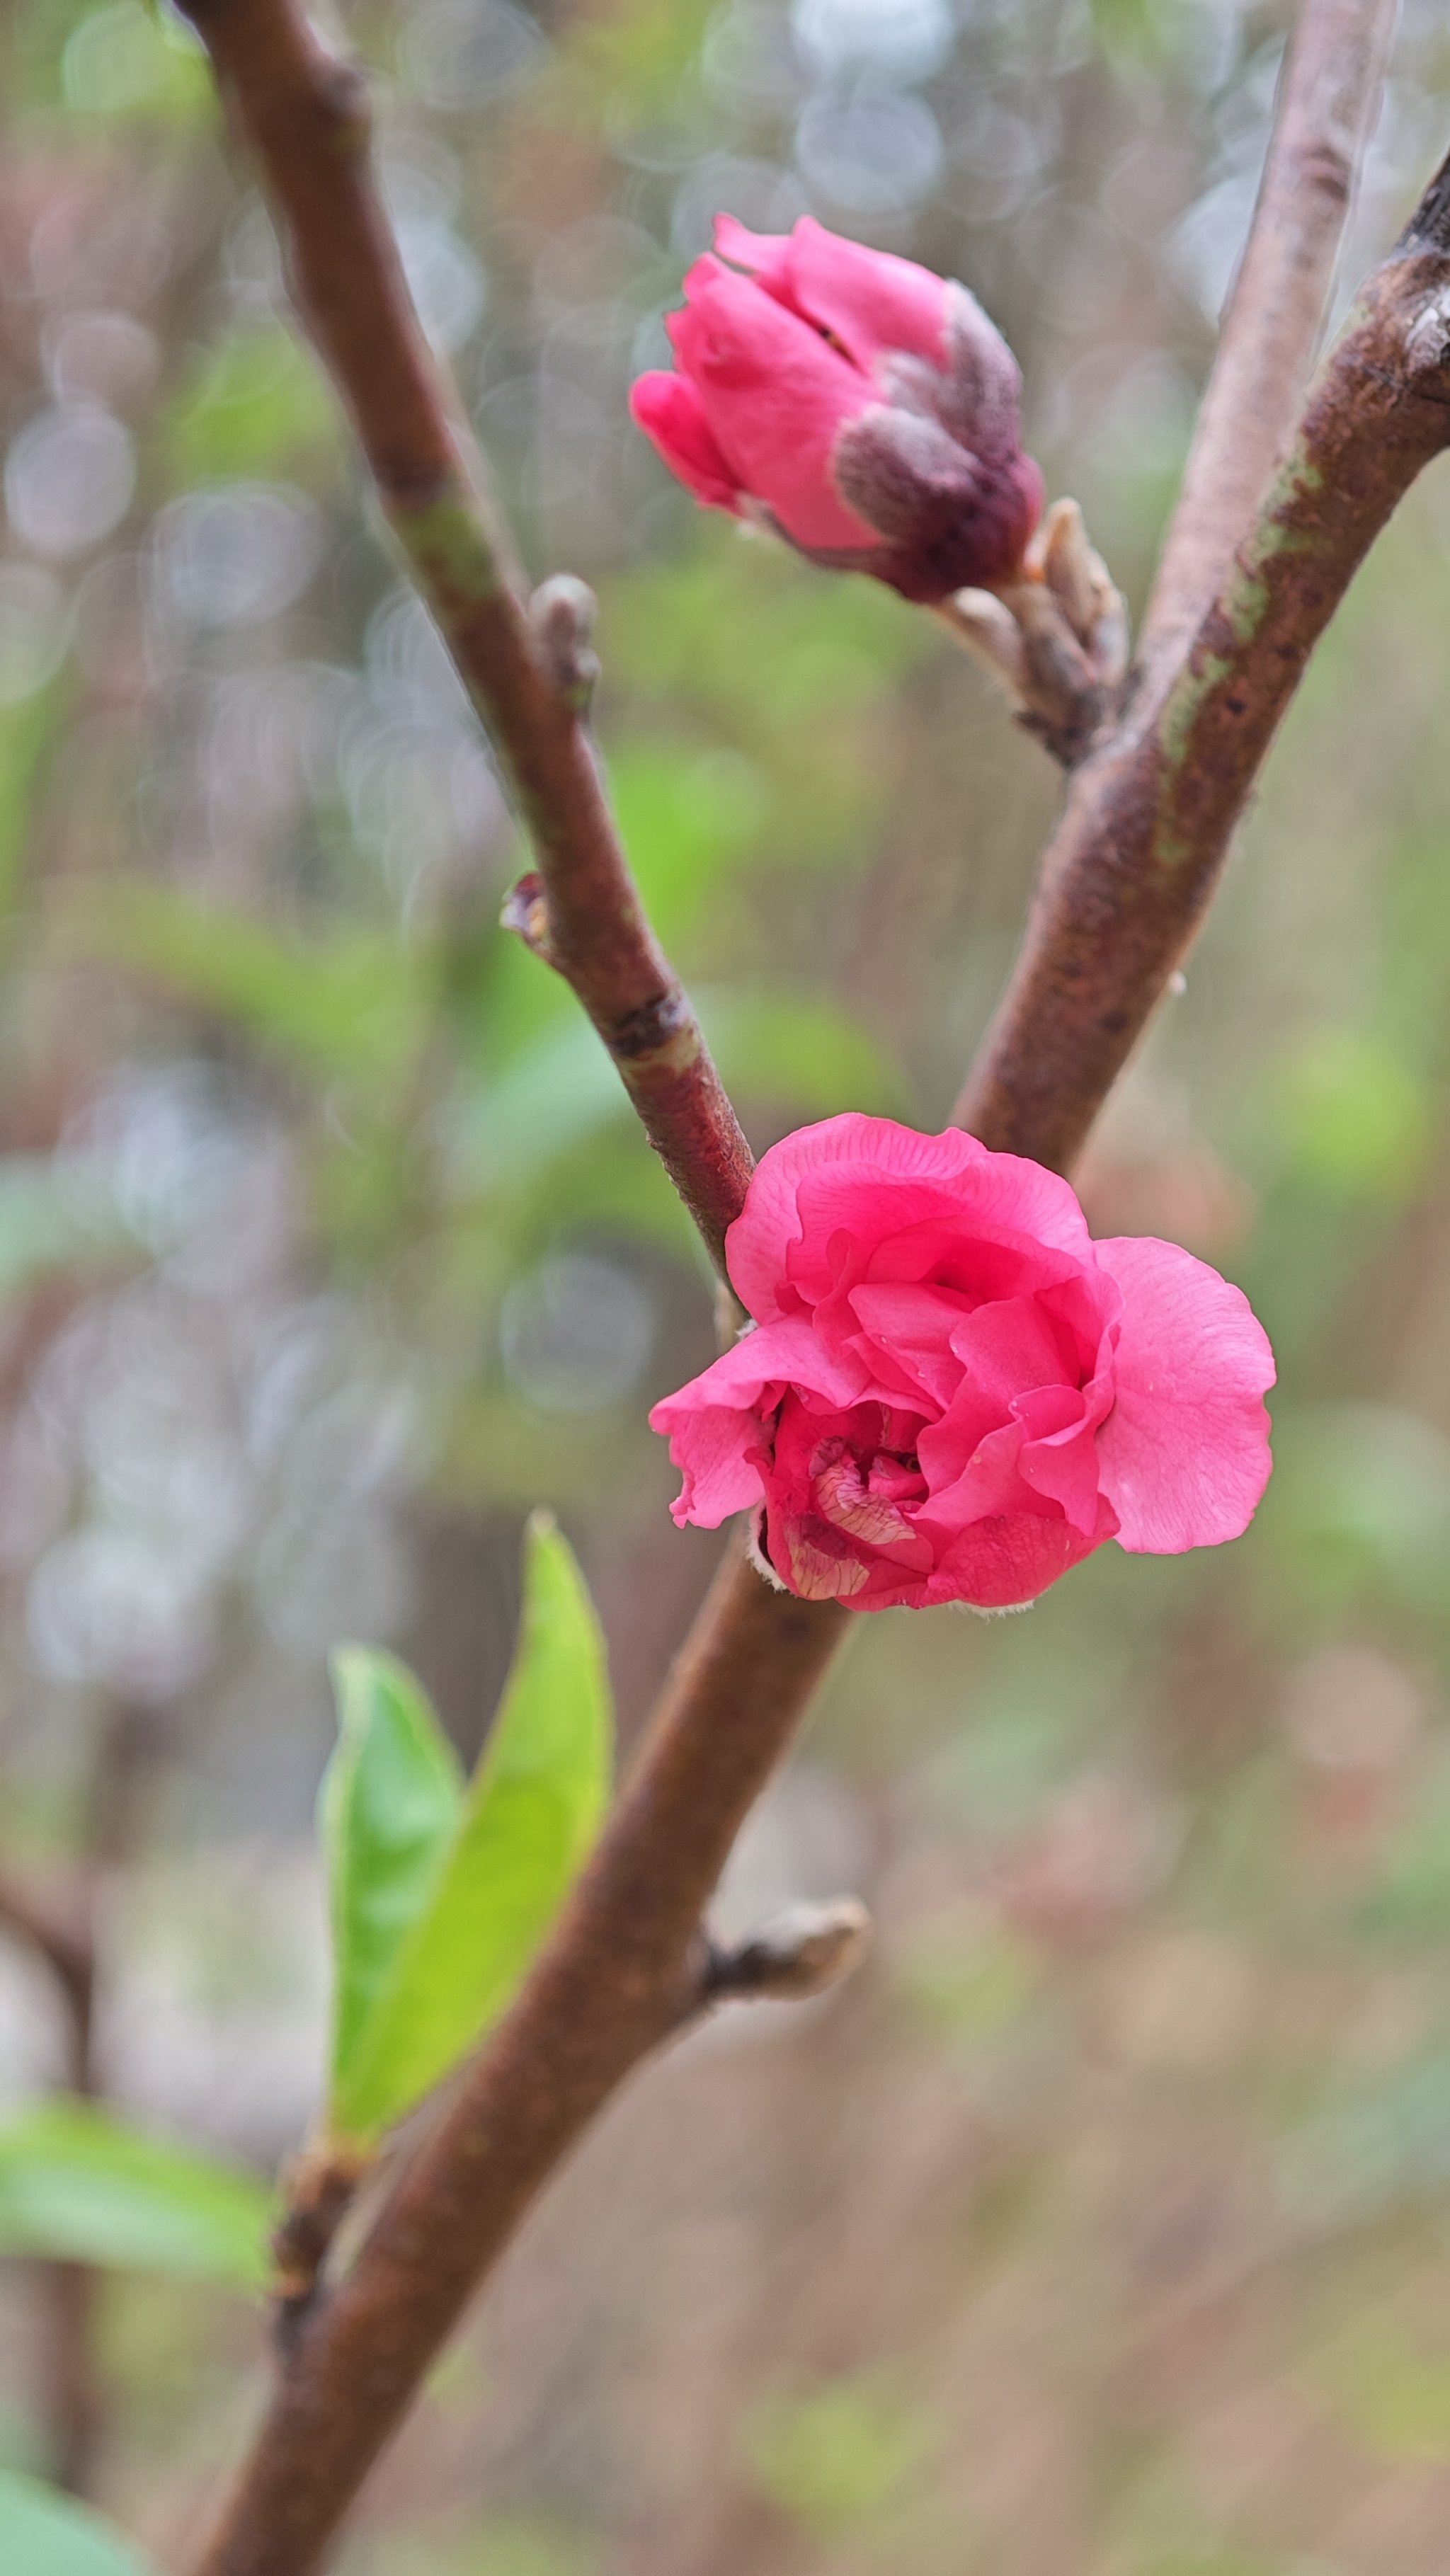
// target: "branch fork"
[[1147, 823]]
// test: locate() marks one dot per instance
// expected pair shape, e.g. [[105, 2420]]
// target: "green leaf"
[[389, 1807], [43, 2533], [79, 2184], [531, 1814]]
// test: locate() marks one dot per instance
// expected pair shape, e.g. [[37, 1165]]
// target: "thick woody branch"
[[304, 113], [1150, 817], [1329, 102], [626, 1967]]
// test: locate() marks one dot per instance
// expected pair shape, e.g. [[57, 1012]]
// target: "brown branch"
[[1149, 818], [304, 113], [1329, 101]]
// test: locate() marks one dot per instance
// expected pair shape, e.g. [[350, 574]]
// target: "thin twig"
[[304, 113], [1149, 818], [1329, 102]]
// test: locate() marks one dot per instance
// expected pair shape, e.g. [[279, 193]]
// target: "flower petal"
[[716, 1422], [775, 395], [1002, 1564], [870, 1149], [874, 1180], [869, 300], [669, 410], [1184, 1454]]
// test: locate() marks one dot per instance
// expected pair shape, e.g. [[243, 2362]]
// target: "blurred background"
[[1101, 2226]]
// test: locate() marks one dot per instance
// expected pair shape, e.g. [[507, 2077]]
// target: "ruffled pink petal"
[[904, 1337], [1184, 1454], [669, 410], [775, 395], [763, 256], [1058, 1457], [861, 1172], [997, 1565], [980, 1240], [716, 1422], [869, 300]]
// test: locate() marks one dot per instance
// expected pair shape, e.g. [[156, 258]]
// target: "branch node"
[[797, 1953], [344, 107], [320, 2184], [1057, 637], [562, 613], [526, 910]]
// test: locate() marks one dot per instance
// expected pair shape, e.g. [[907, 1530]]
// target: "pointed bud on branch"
[[562, 612], [795, 1954], [1056, 636]]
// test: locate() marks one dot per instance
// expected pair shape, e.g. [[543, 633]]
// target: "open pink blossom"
[[951, 1393], [863, 406]]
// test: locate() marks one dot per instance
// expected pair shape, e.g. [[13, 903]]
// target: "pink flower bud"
[[864, 407]]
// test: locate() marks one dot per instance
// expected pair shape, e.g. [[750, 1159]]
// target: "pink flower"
[[951, 1393], [866, 408]]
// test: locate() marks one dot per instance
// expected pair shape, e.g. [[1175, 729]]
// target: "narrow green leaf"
[[389, 1807], [42, 2533], [532, 1811], [79, 2184]]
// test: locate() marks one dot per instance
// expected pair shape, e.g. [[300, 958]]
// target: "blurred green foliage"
[[79, 2184], [253, 403], [45, 2534], [835, 2457]]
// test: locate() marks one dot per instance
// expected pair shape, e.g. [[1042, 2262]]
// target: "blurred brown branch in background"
[[1332, 85], [1145, 832]]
